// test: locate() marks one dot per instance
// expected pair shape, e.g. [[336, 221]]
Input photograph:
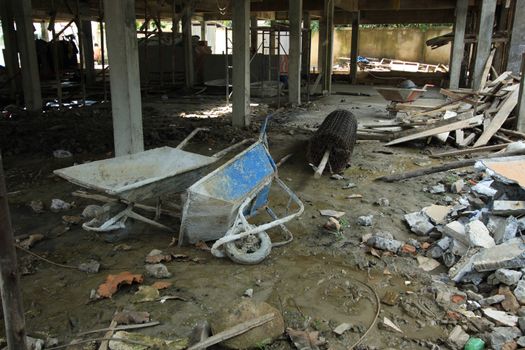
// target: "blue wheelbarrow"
[[218, 206]]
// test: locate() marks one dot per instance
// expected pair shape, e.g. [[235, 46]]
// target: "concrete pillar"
[[253, 35], [124, 76], [328, 45], [203, 30], [521, 99], [458, 45], [89, 60], [517, 39], [188, 47], [241, 62], [355, 47], [43, 30], [486, 23], [294, 56], [306, 44], [29, 63], [10, 50], [321, 45]]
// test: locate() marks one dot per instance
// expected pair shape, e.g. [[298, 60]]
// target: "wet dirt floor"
[[312, 281]]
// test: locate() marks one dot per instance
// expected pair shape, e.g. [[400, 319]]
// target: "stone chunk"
[[458, 337], [244, 311], [510, 304], [391, 245], [510, 256], [494, 299], [479, 235], [419, 223], [365, 220], [437, 213], [507, 231], [500, 317], [457, 186], [157, 271], [456, 230], [501, 335], [519, 291], [508, 277]]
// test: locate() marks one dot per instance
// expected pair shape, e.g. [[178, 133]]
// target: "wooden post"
[[521, 98], [486, 23], [458, 45], [355, 48], [9, 279]]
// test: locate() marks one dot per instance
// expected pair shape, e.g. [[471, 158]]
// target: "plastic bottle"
[[475, 344]]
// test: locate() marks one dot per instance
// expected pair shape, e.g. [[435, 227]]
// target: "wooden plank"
[[455, 95], [503, 76], [13, 313], [512, 132], [470, 151], [467, 123], [506, 108], [232, 332], [486, 70], [468, 140]]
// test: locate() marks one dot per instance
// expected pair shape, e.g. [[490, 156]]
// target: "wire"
[[44, 259], [378, 306]]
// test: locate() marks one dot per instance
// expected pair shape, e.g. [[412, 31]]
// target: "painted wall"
[[403, 44]]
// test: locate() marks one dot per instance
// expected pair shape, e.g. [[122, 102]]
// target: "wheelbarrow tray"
[[141, 175], [400, 95], [211, 204]]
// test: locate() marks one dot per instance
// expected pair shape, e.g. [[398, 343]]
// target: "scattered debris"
[[365, 220], [343, 327], [304, 340], [332, 213], [59, 205], [37, 206], [92, 266], [157, 256], [332, 224], [110, 287], [245, 311], [131, 317], [391, 325], [157, 271], [146, 294], [31, 240]]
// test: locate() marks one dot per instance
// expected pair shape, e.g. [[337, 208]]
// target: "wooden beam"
[[9, 278], [504, 111], [431, 131]]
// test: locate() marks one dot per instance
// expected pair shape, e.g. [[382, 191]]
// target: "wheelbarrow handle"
[[189, 137]]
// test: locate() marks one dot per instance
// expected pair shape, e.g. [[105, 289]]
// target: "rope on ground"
[[44, 259], [378, 306]]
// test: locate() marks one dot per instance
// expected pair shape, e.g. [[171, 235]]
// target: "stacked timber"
[[469, 119]]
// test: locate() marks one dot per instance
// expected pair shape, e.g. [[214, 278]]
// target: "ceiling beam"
[[397, 17]]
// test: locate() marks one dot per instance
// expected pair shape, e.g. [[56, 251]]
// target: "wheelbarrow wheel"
[[238, 252]]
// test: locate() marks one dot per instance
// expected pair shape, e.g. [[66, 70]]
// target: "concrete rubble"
[[477, 237]]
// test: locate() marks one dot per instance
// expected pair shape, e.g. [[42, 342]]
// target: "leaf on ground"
[[304, 340], [131, 317], [110, 287], [202, 246], [155, 259], [161, 285], [145, 294], [31, 240]]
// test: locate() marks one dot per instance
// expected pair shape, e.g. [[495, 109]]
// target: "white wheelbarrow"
[[141, 176]]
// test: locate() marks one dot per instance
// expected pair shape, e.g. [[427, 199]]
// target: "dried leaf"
[[305, 340], [31, 240], [375, 253], [334, 213], [131, 317], [201, 245], [145, 294], [161, 285], [155, 259], [110, 287], [72, 220]]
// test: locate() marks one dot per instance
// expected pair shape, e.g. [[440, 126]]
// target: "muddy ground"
[[312, 281]]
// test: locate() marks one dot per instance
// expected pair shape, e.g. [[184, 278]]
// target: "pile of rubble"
[[478, 238]]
